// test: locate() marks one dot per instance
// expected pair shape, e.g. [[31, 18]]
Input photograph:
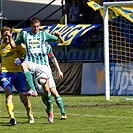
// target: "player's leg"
[[59, 102], [46, 100], [20, 85], [47, 95], [43, 97], [10, 105], [58, 99], [7, 86], [28, 107], [46, 90], [32, 92]]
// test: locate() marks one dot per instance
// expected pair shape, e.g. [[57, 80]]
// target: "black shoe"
[[13, 121]]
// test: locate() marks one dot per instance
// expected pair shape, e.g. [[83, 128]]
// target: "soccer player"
[[12, 74], [34, 41], [52, 84]]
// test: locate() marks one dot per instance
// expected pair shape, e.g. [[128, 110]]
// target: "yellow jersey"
[[8, 56]]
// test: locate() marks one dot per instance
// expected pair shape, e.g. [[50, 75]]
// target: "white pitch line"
[[101, 116], [97, 115], [80, 115]]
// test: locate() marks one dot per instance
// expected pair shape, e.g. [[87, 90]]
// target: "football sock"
[[60, 104], [10, 109], [29, 79], [49, 102], [44, 100], [28, 109]]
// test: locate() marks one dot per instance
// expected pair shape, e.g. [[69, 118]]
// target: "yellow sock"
[[10, 109], [29, 109]]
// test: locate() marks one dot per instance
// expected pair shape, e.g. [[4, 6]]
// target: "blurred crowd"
[[78, 12]]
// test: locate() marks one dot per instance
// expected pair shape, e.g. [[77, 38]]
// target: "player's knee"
[[8, 92], [54, 92], [23, 99]]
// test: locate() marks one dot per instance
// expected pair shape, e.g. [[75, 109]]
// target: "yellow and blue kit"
[[12, 74]]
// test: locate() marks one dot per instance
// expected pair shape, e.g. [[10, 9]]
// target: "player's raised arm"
[[12, 43], [60, 39]]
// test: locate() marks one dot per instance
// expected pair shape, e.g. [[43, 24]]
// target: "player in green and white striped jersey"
[[52, 84], [34, 41]]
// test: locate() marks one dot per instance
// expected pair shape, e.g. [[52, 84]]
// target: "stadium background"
[[82, 63]]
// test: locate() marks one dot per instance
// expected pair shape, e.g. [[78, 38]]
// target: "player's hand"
[[17, 61], [60, 40], [60, 74], [8, 33], [56, 33]]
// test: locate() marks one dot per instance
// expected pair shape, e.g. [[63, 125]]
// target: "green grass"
[[86, 114]]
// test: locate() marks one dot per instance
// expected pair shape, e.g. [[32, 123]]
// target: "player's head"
[[4, 35], [35, 25]]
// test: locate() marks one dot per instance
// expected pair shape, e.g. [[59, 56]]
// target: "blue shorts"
[[16, 79]]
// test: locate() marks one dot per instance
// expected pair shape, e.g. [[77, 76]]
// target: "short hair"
[[5, 28], [35, 20]]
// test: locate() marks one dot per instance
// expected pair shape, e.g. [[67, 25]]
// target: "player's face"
[[35, 27], [5, 38]]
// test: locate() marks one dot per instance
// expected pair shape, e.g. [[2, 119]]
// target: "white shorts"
[[35, 69]]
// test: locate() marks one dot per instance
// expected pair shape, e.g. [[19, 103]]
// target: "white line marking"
[[79, 115]]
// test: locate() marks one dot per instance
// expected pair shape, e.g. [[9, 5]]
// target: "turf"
[[86, 114]]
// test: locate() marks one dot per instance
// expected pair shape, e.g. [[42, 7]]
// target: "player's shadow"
[[131, 127], [8, 121], [4, 123], [37, 121], [47, 117]]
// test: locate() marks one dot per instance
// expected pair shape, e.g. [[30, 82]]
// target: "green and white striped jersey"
[[35, 45]]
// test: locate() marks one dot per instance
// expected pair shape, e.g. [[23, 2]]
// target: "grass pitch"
[[86, 114]]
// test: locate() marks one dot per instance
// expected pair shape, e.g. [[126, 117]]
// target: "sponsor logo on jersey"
[[34, 43]]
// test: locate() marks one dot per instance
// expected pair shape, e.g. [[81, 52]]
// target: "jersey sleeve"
[[20, 39], [50, 38]]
